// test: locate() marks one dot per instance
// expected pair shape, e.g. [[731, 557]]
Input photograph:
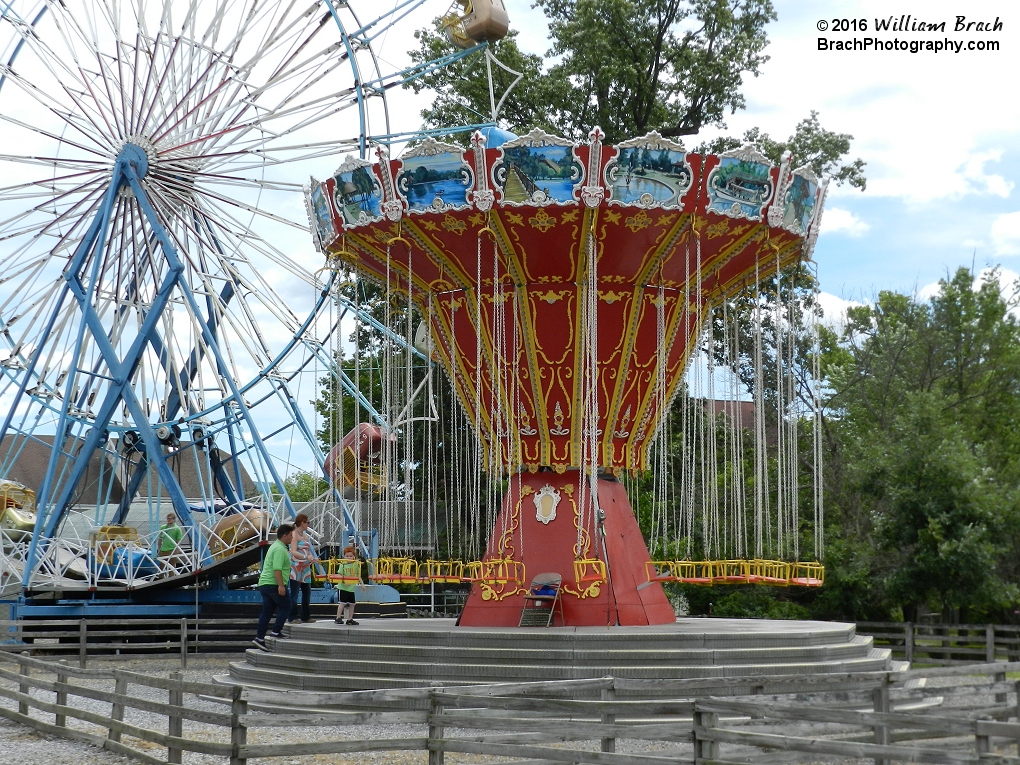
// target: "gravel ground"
[[23, 746]]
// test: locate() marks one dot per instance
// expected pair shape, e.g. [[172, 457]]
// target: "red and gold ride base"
[[623, 596]]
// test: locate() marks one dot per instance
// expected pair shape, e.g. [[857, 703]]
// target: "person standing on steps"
[[169, 536], [273, 583], [350, 575], [302, 556]]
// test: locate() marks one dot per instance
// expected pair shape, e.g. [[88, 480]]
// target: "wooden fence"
[[85, 637], [957, 715], [946, 644]]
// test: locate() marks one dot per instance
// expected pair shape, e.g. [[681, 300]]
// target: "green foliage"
[[462, 91], [745, 602], [304, 487], [629, 66], [921, 465]]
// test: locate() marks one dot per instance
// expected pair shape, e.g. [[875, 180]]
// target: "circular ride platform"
[[403, 653]]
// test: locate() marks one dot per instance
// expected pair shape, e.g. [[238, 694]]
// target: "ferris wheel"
[[157, 299]]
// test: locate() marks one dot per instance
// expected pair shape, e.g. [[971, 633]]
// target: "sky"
[[939, 133]]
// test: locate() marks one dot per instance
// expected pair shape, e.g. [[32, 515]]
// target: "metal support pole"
[[82, 641], [184, 643]]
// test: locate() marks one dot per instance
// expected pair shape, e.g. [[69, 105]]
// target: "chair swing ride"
[[565, 290]]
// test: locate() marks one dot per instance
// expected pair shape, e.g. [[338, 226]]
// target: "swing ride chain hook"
[[334, 261], [487, 229], [398, 237]]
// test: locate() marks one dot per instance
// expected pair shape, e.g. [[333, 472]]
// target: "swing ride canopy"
[[566, 285]]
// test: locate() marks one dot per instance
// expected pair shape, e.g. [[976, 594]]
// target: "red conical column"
[[625, 597]]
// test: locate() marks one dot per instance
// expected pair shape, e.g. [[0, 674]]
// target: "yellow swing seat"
[[694, 571], [441, 571], [588, 571], [806, 574], [343, 571], [774, 572], [395, 571], [732, 572], [661, 570], [495, 571]]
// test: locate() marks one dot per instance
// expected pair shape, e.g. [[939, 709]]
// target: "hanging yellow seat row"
[[495, 571], [737, 571]]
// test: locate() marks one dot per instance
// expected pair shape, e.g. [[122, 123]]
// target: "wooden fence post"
[[880, 697], [704, 748], [609, 694], [26, 670], [989, 643], [908, 641], [176, 722], [437, 754], [238, 730], [117, 709], [82, 642], [184, 643], [60, 720], [982, 743]]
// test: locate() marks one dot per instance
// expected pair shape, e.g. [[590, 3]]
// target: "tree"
[[630, 66], [920, 429], [462, 91], [811, 144]]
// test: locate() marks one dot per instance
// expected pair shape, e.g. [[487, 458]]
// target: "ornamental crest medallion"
[[546, 500]]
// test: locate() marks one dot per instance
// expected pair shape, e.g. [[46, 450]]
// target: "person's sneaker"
[[307, 621], [352, 622], [338, 621], [261, 643], [278, 635]]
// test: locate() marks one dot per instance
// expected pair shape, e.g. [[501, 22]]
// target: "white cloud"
[[834, 310], [1005, 277], [836, 220], [1006, 234], [961, 174]]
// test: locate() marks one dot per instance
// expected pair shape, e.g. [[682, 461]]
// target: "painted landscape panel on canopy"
[[434, 177], [799, 205], [358, 194], [741, 185], [649, 172], [322, 217], [537, 169]]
